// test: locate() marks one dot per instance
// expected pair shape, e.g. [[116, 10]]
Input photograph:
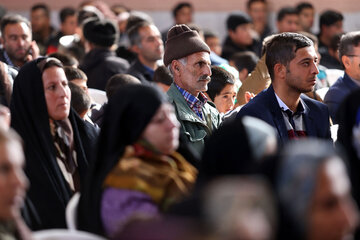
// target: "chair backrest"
[[98, 96], [64, 234], [71, 210]]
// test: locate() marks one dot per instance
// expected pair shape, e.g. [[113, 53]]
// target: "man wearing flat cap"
[[100, 62], [188, 59]]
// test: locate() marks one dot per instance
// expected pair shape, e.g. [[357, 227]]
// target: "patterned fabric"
[[194, 103], [294, 121], [164, 178]]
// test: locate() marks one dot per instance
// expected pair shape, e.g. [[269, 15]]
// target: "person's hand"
[[248, 96], [34, 52]]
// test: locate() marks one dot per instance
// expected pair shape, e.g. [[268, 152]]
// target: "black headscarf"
[[49, 192], [126, 116], [349, 117]]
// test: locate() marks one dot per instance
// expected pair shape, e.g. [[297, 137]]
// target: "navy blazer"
[[266, 107]]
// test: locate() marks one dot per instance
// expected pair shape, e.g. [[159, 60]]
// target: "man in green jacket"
[[188, 58]]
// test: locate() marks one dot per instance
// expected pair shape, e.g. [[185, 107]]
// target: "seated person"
[[13, 185], [314, 193], [80, 101], [163, 78], [244, 62], [221, 89], [136, 173]]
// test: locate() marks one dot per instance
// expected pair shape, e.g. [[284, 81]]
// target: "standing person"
[[100, 62], [287, 20], [16, 52], [306, 12], [182, 14], [146, 42], [291, 60], [191, 71], [41, 26], [349, 52], [258, 11], [136, 174], [58, 143]]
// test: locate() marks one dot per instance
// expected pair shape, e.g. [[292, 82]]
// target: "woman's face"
[[333, 214], [163, 130], [13, 182], [57, 93]]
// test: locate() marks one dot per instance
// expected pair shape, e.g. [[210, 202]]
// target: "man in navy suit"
[[292, 63]]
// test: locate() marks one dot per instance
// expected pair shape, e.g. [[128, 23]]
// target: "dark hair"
[[49, 62], [162, 75], [210, 34], [13, 19], [247, 60], [66, 59], [237, 18], [136, 18], [133, 32], [282, 49], [303, 5], [80, 101], [311, 36], [41, 6], [335, 41], [330, 17], [179, 6], [347, 43], [74, 73], [66, 12], [118, 81], [219, 79], [250, 2], [286, 11]]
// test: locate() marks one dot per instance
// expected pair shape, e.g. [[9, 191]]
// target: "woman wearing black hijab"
[[57, 141], [136, 172]]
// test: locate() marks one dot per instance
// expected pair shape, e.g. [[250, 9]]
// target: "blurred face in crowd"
[[302, 70], [306, 19], [332, 30], [13, 182], [39, 20], [290, 23], [258, 12], [151, 47], [333, 214], [184, 16], [194, 75], [16, 39], [214, 44], [352, 63], [163, 130], [57, 93], [81, 83], [242, 35], [69, 26], [226, 99]]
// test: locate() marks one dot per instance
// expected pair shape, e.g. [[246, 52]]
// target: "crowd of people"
[[247, 137]]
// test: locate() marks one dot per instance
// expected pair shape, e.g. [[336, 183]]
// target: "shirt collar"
[[202, 99], [300, 108]]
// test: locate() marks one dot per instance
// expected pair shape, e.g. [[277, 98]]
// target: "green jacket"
[[193, 129]]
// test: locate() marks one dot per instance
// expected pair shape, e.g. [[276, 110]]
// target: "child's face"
[[225, 100]]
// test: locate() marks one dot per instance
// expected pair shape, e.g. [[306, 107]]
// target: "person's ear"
[[279, 70], [346, 61], [175, 67]]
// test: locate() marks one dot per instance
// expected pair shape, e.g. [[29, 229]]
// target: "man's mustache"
[[204, 77]]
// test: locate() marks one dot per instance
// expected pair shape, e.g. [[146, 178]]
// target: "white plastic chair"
[[98, 96], [64, 234], [71, 212]]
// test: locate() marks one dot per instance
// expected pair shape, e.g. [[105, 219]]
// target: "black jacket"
[[100, 64]]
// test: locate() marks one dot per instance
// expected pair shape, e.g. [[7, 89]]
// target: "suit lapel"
[[277, 115], [308, 120]]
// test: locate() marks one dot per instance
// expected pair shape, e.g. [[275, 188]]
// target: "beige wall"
[[200, 5]]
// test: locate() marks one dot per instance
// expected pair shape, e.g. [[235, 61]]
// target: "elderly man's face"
[[194, 76]]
